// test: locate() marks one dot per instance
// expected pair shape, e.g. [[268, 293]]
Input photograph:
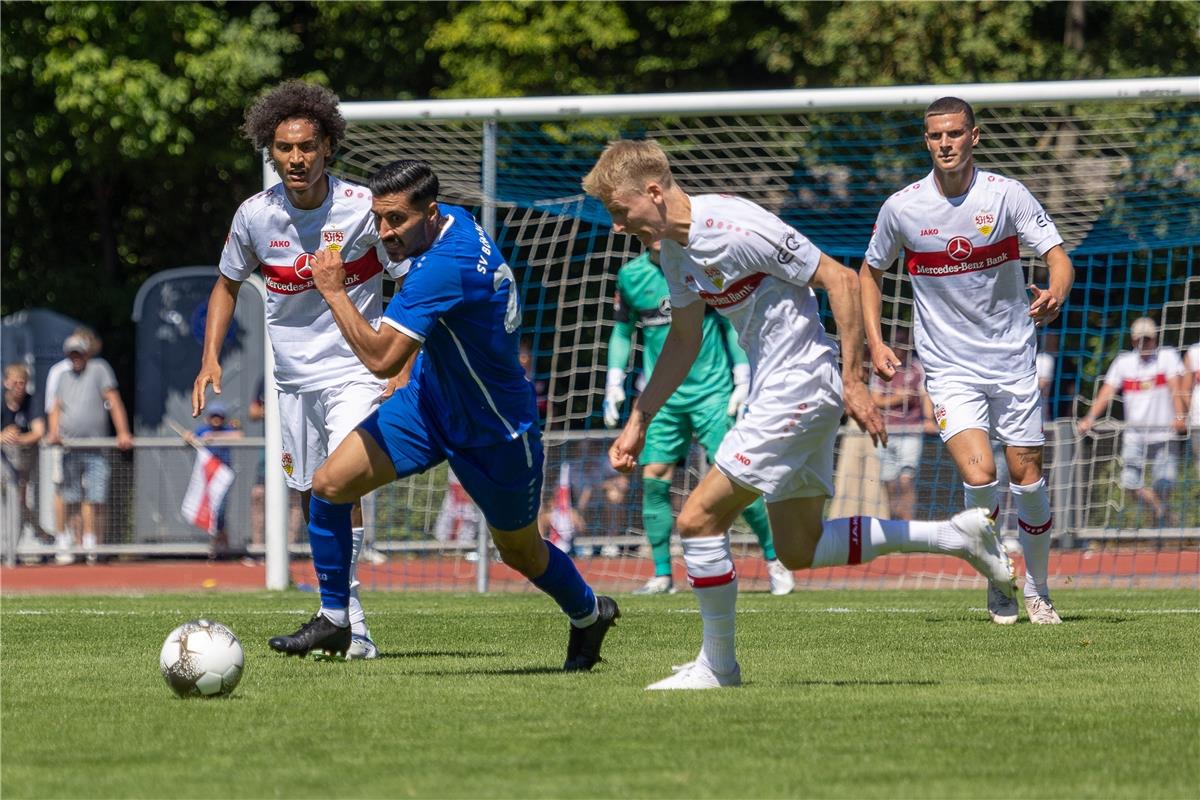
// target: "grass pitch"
[[848, 694]]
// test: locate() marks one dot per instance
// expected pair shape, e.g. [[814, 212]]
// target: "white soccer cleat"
[[782, 579], [659, 584], [983, 550], [1041, 610], [698, 675], [361, 648], [1001, 608], [372, 556]]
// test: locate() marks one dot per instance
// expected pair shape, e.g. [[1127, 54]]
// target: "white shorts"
[[1010, 412], [783, 446], [315, 423]]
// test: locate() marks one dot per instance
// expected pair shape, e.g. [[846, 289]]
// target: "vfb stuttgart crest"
[[288, 466], [715, 276], [985, 222]]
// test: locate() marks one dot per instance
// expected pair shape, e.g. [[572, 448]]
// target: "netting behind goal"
[[1120, 179]]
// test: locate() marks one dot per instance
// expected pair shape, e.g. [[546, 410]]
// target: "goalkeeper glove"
[[741, 391], [614, 397]]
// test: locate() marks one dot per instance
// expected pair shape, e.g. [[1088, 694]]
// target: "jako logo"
[[742, 459], [929, 231], [280, 243]]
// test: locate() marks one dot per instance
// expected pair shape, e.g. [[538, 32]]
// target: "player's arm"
[[222, 301], [841, 284], [740, 367], [1103, 398], [120, 420], [883, 358], [679, 351], [1047, 304], [385, 351], [620, 344]]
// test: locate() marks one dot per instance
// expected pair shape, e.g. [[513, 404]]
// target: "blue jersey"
[[460, 301]]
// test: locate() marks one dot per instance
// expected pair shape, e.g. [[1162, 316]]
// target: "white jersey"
[[963, 256], [1145, 386], [754, 269], [1193, 363], [268, 232]]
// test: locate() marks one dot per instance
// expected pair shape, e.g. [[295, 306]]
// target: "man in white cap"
[[81, 397], [1150, 379]]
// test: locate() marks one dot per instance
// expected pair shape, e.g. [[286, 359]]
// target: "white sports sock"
[[358, 624], [982, 497], [1034, 521], [857, 540], [338, 616], [714, 582], [89, 541]]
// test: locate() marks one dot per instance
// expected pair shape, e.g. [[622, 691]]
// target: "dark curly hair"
[[291, 99]]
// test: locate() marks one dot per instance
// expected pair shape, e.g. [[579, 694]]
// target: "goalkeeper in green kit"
[[704, 405]]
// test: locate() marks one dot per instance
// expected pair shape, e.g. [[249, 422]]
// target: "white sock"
[[62, 541], [1034, 521], [358, 620], [89, 541], [714, 582], [982, 497], [338, 616], [857, 540]]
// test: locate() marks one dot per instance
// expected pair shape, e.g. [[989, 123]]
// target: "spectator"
[[908, 413], [459, 517], [1151, 380], [21, 428], [95, 345], [525, 354], [1191, 363], [81, 397], [215, 429]]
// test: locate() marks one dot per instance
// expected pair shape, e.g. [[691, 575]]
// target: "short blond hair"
[[16, 368], [627, 164]]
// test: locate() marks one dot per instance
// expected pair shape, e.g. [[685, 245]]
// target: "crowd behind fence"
[[428, 515]]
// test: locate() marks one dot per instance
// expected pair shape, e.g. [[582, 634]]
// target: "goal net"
[[1118, 171]]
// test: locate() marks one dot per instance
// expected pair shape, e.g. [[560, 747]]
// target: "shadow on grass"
[[439, 654], [857, 683], [458, 673]]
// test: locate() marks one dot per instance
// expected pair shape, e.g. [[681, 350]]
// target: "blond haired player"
[[961, 230], [760, 273]]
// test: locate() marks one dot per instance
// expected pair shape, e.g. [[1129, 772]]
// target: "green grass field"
[[848, 694]]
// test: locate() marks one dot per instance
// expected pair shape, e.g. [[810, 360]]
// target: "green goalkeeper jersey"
[[643, 300]]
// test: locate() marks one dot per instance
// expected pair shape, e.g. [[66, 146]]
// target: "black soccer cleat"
[[583, 648], [316, 634]]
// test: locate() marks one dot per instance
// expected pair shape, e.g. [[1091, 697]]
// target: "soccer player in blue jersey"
[[468, 402]]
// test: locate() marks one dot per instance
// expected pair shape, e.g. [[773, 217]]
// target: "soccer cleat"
[[983, 550], [316, 634], [782, 579], [1001, 608], [698, 675], [1041, 610], [361, 647], [659, 584], [583, 648]]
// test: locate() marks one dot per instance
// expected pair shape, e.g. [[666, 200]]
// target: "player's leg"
[[703, 526], [505, 481], [964, 419], [712, 422], [658, 519], [1017, 413], [338, 410]]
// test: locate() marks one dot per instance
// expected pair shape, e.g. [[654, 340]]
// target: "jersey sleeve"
[[1115, 376], [432, 289], [776, 248], [1033, 224], [1172, 363], [238, 259], [680, 295], [108, 379], [885, 239]]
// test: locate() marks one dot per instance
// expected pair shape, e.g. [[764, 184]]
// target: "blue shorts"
[[85, 476], [504, 479]]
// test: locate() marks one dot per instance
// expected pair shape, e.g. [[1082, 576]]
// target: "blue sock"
[[330, 539], [568, 588]]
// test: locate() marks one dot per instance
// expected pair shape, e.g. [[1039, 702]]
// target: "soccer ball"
[[201, 659]]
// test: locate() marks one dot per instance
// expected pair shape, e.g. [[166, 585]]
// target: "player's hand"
[[614, 397], [863, 411], [625, 450], [209, 373], [1180, 425], [393, 383], [1045, 307], [124, 441], [885, 362], [1083, 426], [329, 272]]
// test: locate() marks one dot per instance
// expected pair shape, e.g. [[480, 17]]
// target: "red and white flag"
[[211, 479], [562, 515]]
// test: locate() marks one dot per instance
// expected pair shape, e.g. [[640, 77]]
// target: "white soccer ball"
[[201, 659]]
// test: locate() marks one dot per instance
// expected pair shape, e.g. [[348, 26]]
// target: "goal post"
[[1115, 162]]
